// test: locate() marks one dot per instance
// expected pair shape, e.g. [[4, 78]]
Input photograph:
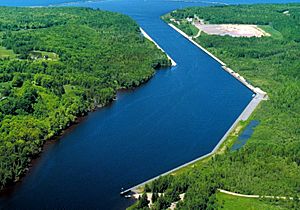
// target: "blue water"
[[245, 135], [56, 2], [176, 117]]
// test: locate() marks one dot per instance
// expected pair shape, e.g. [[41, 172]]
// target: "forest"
[[57, 64], [269, 163]]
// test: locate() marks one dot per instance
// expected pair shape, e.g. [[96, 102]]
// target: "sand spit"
[[149, 38]]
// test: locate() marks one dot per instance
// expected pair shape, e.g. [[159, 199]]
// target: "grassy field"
[[229, 202], [4, 53], [269, 29], [193, 29]]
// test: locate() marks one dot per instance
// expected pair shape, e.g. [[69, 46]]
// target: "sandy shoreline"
[[259, 96], [149, 38]]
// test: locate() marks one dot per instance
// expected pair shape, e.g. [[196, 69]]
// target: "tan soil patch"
[[234, 30]]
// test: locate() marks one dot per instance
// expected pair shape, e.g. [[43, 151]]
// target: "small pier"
[[243, 116], [134, 188]]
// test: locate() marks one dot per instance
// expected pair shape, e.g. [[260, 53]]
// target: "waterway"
[[179, 115]]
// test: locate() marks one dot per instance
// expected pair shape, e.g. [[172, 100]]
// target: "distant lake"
[[177, 116]]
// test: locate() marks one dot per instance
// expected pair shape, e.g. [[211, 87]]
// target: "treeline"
[[274, 15], [97, 53], [269, 164]]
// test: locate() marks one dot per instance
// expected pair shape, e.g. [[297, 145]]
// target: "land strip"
[[255, 196], [149, 38]]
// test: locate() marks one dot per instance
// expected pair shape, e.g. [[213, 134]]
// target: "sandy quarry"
[[234, 30]]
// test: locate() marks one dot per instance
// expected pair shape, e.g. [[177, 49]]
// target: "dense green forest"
[[57, 64], [269, 164]]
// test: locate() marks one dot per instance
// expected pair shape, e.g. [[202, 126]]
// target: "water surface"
[[245, 135], [176, 117]]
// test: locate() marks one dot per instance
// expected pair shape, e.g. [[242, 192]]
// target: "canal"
[[179, 115]]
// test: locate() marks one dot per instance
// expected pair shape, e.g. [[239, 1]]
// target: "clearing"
[[35, 55], [5, 53], [228, 202], [234, 30]]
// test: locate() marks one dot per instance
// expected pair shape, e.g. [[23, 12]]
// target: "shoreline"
[[248, 110], [224, 66], [13, 184], [150, 39]]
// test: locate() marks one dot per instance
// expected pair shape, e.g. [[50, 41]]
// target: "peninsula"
[[57, 64]]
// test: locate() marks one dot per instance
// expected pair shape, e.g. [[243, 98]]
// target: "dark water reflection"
[[177, 116]]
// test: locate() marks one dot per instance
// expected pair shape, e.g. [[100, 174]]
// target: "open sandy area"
[[234, 30]]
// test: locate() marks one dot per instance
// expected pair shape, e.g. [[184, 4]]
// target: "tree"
[[155, 196], [143, 201]]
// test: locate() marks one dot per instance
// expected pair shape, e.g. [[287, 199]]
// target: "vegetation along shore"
[[269, 163], [56, 64]]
